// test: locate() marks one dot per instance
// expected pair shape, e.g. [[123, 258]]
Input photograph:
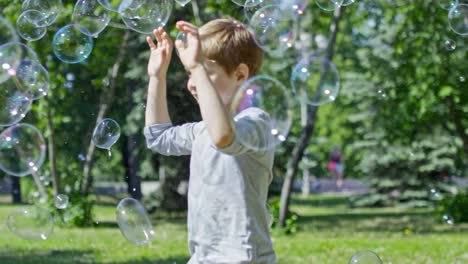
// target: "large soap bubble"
[[365, 257], [92, 16], [27, 29], [316, 80], [14, 105], [106, 133], [296, 7], [271, 96], [70, 45], [274, 29], [22, 150], [49, 10], [134, 222], [11, 55], [447, 4], [116, 5], [328, 5], [458, 19], [7, 32], [31, 223], [34, 77], [145, 15]]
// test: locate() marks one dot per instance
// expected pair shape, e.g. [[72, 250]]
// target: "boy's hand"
[[161, 53], [190, 52]]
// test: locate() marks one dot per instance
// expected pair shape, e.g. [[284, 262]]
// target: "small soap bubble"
[[450, 44], [31, 223], [61, 201], [26, 29], [106, 133], [458, 19], [70, 45], [448, 219]]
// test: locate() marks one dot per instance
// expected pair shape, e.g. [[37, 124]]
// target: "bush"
[[291, 224], [455, 206]]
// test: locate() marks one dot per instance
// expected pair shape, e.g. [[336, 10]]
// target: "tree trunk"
[[301, 145], [305, 182], [106, 101], [16, 190], [51, 151], [131, 168]]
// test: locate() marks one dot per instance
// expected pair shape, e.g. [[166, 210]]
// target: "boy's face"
[[225, 84]]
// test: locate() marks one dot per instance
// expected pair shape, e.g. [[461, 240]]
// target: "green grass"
[[329, 233]]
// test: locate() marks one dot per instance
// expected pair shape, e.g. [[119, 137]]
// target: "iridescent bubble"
[[328, 5], [61, 201], [448, 219], [14, 106], [92, 16], [365, 257], [182, 37], [106, 133], [49, 10], [7, 32], [252, 6], [134, 222], [145, 15], [274, 29], [450, 44], [34, 77], [296, 7], [316, 80], [70, 45], [116, 5], [11, 55], [31, 223], [461, 78], [26, 29], [435, 194], [458, 19], [183, 2], [22, 150], [271, 96], [447, 4]]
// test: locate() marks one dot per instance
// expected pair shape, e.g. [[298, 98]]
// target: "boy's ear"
[[242, 73]]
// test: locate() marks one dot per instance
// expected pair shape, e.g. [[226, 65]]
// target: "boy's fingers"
[[157, 34], [150, 43]]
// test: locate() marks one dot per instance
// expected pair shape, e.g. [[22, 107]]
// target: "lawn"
[[329, 233]]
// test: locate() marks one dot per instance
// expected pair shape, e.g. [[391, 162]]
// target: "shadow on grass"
[[74, 256], [322, 201]]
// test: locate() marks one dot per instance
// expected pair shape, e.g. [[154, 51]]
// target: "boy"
[[227, 215]]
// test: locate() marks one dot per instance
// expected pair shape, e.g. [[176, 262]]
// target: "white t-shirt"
[[228, 221]]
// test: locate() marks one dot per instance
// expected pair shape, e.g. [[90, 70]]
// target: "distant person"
[[336, 167], [228, 186]]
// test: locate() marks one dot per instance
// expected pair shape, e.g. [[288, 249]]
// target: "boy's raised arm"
[[160, 57]]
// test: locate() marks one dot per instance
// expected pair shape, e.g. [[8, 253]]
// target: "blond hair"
[[230, 43]]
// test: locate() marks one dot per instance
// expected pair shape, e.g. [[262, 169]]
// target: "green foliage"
[[455, 206], [291, 223]]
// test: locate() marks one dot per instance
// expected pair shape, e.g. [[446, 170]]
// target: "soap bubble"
[[145, 15], [458, 19], [14, 105], [92, 16], [274, 29], [450, 44], [270, 95], [11, 55], [22, 150], [49, 10], [328, 5], [182, 37], [348, 2], [134, 222], [70, 45], [31, 223], [448, 219], [7, 33], [447, 4], [116, 5], [106, 133], [34, 77], [183, 2], [252, 6], [296, 7], [461, 78], [365, 257], [61, 201], [316, 80], [26, 29], [248, 3]]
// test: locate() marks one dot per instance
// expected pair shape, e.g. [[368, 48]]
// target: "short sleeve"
[[171, 140], [252, 133]]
